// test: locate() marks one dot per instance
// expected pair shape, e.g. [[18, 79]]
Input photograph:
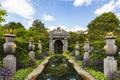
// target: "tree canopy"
[[13, 25], [107, 22], [2, 14]]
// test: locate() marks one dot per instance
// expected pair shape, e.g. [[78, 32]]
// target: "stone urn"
[[31, 45], [77, 48], [110, 47], [31, 48], [86, 46], [9, 46], [39, 45]]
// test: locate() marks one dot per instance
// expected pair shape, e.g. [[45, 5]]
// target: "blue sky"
[[69, 14]]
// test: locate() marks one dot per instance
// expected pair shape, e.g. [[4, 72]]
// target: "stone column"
[[39, 46], [31, 48], [77, 49], [86, 49], [110, 64], [65, 44], [51, 45], [9, 48]]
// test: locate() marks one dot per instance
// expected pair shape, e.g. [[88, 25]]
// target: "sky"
[[71, 15]]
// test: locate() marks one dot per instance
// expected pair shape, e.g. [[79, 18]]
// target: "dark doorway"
[[58, 47]]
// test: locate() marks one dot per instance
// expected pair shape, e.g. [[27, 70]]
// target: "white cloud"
[[22, 8], [47, 17], [74, 28], [81, 2], [111, 6], [30, 22], [77, 28]]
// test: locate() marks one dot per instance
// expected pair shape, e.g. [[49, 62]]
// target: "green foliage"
[[21, 74], [97, 52], [96, 74], [13, 25], [74, 37], [2, 14], [102, 24], [2, 54], [105, 22]]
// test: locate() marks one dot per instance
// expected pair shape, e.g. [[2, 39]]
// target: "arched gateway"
[[58, 40]]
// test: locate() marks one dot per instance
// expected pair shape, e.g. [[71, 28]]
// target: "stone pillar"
[[110, 64], [51, 45], [77, 49], [86, 49], [65, 44], [39, 46], [9, 48], [31, 48]]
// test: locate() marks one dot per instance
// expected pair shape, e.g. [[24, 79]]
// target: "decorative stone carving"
[[86, 49], [39, 46], [77, 49], [58, 35], [9, 45], [110, 64], [9, 48], [31, 48]]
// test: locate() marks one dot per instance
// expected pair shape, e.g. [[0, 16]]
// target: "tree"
[[39, 32], [2, 19], [13, 25], [38, 26], [104, 23], [2, 14]]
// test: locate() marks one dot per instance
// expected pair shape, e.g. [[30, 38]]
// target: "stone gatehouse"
[[58, 40]]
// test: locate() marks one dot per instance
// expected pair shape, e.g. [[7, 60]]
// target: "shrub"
[[22, 73], [96, 74], [5, 74]]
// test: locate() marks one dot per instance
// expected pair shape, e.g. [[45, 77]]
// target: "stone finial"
[[110, 33]]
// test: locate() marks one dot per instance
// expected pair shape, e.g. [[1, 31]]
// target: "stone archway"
[[58, 39], [58, 47]]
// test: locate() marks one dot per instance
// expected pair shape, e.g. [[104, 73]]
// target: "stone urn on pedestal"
[[110, 64], [9, 48], [39, 46], [86, 49], [77, 49], [31, 48]]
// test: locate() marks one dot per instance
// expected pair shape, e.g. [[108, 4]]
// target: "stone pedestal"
[[32, 55], [10, 62], [86, 49], [77, 49], [110, 66], [76, 52], [86, 56]]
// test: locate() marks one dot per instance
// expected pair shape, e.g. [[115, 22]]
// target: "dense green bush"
[[21, 74], [96, 74], [2, 54]]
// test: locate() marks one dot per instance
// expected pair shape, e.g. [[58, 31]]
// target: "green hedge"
[[22, 73], [21, 53]]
